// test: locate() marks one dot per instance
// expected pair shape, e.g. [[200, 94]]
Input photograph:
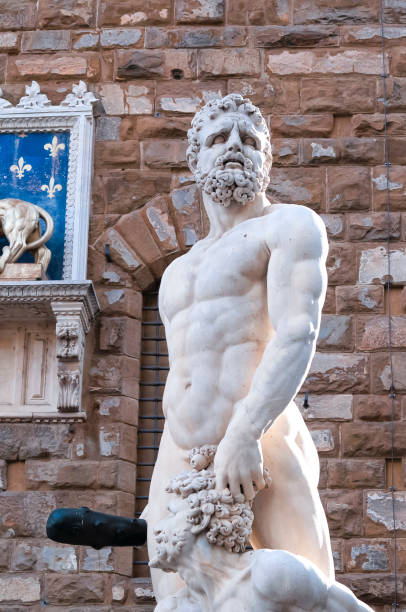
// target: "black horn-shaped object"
[[90, 528]]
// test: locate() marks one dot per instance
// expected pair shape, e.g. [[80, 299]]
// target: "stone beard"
[[224, 186]]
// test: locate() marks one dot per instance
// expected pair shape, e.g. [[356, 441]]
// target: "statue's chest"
[[224, 268]]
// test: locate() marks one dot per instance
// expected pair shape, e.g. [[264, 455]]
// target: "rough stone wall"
[[314, 66]]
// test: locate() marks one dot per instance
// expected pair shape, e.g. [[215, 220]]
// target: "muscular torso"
[[213, 301]]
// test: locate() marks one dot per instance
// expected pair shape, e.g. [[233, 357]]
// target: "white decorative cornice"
[[79, 96], [33, 99]]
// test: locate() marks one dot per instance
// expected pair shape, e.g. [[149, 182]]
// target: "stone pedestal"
[[22, 272]]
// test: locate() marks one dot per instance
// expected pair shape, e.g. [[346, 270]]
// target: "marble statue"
[[20, 224], [199, 539], [242, 312]]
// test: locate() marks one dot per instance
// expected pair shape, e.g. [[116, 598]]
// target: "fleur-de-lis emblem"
[[51, 188], [20, 167], [54, 146]]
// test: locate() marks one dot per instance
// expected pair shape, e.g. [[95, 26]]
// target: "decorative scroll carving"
[[33, 99], [68, 340], [69, 387], [79, 96]]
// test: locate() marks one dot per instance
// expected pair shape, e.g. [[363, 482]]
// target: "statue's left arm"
[[296, 285]]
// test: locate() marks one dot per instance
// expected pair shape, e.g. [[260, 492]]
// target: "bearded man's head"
[[229, 150]]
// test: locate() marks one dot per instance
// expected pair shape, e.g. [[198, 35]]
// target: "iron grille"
[[154, 370]]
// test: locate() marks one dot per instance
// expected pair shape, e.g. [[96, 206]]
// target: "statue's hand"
[[238, 465]]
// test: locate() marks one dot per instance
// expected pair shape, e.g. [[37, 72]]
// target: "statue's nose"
[[234, 143]]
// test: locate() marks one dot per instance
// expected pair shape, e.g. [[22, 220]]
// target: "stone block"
[[336, 333], [118, 408], [28, 440], [21, 589], [55, 66], [121, 37], [349, 61], [379, 511], [339, 94], [375, 408], [272, 95], [117, 153], [360, 298], [74, 589], [348, 189], [330, 301], [71, 14], [372, 439], [107, 128], [371, 35], [229, 62], [326, 407], [127, 190], [338, 372], [345, 150], [185, 207], [85, 40], [120, 302], [185, 97], [199, 11], [368, 555], [8, 41], [298, 186], [395, 95], [17, 15], [195, 38], [381, 372], [301, 126], [295, 36], [373, 266], [157, 216], [342, 11], [372, 588], [337, 550], [118, 440], [133, 229], [29, 557], [285, 152], [3, 475], [120, 334], [325, 440], [335, 226], [341, 267], [395, 11], [355, 473], [164, 154], [115, 374], [397, 62], [22, 272], [135, 12], [156, 127], [143, 63], [344, 512], [235, 36], [139, 99], [373, 226], [396, 183], [373, 333], [46, 40], [156, 38], [374, 125], [257, 12]]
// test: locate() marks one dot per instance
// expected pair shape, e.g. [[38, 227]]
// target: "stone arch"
[[144, 241]]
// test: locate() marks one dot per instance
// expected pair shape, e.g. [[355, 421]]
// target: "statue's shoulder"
[[289, 224]]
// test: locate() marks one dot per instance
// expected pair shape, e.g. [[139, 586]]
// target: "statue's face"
[[172, 536], [231, 164]]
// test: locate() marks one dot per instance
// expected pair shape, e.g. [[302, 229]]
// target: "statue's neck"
[[223, 218], [209, 569]]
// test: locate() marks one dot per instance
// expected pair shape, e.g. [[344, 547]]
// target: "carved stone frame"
[[34, 113]]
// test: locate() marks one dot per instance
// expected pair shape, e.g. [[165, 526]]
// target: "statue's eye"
[[248, 140], [220, 138]]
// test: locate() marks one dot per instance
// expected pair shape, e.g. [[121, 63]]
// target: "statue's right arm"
[[296, 285]]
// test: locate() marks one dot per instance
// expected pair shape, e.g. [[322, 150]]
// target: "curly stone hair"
[[227, 523], [230, 103]]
